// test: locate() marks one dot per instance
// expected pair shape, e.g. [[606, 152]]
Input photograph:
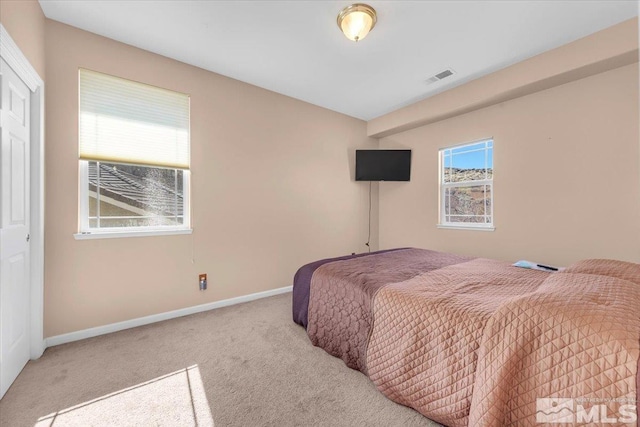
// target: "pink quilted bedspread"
[[341, 294], [478, 342]]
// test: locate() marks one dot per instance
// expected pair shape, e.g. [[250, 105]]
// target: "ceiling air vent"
[[441, 75]]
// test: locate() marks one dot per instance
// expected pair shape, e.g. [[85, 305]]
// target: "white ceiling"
[[295, 47]]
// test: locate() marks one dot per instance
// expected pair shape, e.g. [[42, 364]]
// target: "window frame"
[[443, 186], [86, 232], [84, 220]]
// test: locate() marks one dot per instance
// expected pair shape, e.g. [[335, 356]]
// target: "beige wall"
[[272, 188], [567, 168], [25, 22]]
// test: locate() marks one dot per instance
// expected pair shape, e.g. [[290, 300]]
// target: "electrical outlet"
[[202, 282]]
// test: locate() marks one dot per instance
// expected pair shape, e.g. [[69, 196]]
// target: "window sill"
[[467, 227], [122, 234]]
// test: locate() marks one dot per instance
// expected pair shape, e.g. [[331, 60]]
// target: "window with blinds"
[[134, 155]]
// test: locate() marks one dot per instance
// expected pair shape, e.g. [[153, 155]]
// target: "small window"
[[134, 156], [466, 185]]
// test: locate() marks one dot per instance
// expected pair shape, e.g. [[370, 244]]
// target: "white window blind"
[[122, 121]]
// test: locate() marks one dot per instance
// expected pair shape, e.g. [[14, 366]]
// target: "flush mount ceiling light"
[[357, 20]]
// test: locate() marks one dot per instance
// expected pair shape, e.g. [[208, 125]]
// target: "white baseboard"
[[127, 324]]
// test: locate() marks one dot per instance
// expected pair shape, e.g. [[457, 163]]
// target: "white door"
[[14, 226]]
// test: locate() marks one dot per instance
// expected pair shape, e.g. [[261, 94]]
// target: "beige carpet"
[[174, 399], [246, 365]]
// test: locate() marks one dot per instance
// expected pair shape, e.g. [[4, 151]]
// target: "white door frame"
[[13, 56]]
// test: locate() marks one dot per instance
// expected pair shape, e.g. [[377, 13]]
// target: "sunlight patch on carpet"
[[175, 399]]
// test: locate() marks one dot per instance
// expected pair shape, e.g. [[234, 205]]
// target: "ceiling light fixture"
[[357, 20]]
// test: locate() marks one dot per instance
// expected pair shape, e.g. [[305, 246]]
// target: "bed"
[[477, 342]]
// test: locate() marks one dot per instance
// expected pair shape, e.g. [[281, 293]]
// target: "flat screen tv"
[[383, 165]]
